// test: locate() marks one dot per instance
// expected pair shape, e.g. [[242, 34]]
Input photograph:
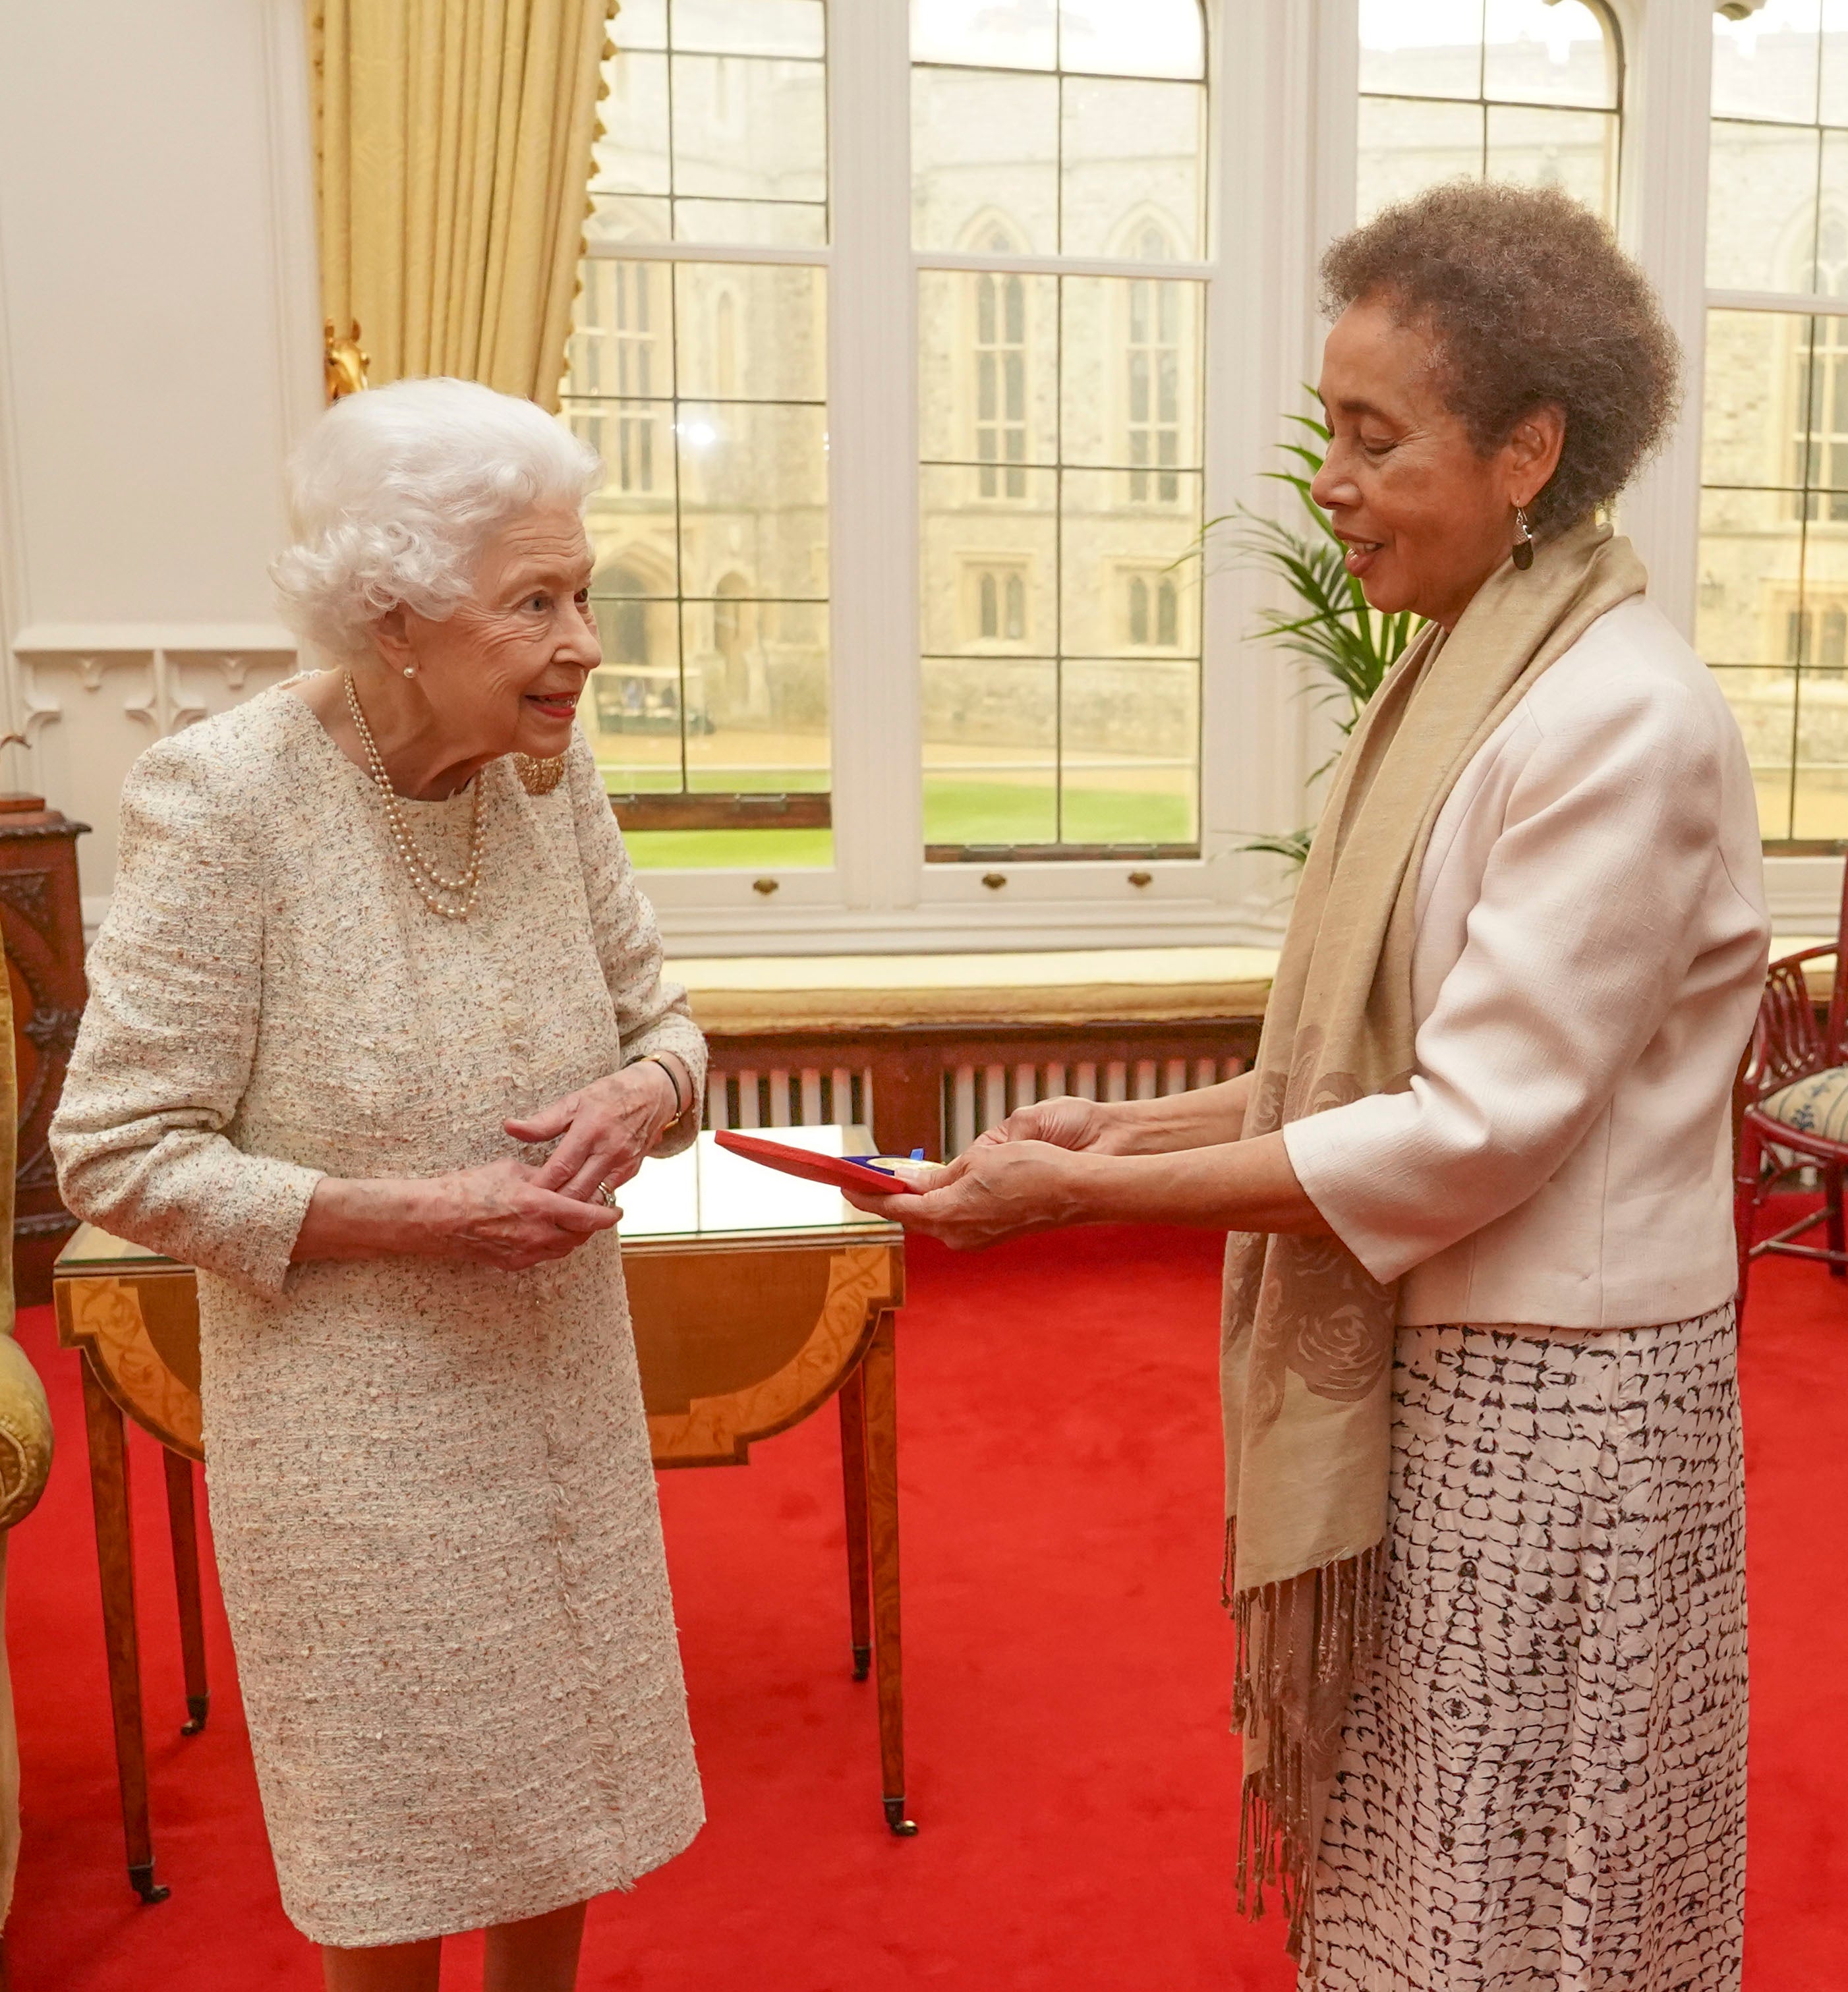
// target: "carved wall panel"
[[93, 700]]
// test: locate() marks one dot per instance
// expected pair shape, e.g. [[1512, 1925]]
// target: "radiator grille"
[[975, 1097]]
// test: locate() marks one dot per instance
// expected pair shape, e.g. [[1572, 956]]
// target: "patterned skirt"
[[1542, 1787]]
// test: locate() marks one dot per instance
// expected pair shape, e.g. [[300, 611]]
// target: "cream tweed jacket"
[[430, 1484]]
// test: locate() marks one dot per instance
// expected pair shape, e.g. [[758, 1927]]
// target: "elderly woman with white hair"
[[377, 1029]]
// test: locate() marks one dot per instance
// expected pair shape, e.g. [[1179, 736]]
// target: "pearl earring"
[[409, 670]]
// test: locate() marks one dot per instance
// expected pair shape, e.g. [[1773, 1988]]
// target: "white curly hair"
[[394, 493]]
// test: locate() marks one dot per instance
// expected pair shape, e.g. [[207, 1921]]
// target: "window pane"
[[1130, 747], [1765, 704], [1116, 525], [1835, 62], [984, 161], [1749, 609], [1757, 388], [633, 565], [622, 321], [778, 224], [973, 547], [1423, 47], [747, 129], [1406, 145], [753, 491], [1150, 38], [1761, 207], [631, 157], [632, 527], [757, 694], [1133, 374], [1538, 52], [748, 27], [989, 368], [634, 711], [1820, 789], [1022, 35], [1766, 65], [643, 25], [633, 508], [1101, 377], [752, 332], [1132, 163], [627, 217], [1575, 151], [990, 750]]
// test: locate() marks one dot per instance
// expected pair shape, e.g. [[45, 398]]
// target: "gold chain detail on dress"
[[453, 898]]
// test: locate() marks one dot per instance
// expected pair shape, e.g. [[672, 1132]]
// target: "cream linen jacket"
[[1590, 944]]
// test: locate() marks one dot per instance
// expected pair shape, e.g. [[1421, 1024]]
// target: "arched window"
[[1526, 90], [725, 346], [1047, 138], [1151, 351], [1000, 355]]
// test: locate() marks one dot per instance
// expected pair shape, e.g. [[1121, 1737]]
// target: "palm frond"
[[1344, 647]]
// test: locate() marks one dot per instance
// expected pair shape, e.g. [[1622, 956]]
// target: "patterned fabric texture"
[[432, 1493], [1818, 1105], [1542, 1785]]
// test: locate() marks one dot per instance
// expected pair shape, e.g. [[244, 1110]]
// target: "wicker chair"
[[1793, 1091]]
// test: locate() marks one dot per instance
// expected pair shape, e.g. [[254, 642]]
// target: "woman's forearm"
[[1233, 1186], [371, 1217], [1203, 1119]]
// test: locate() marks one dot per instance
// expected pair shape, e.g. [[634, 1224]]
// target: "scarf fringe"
[[1274, 1700]]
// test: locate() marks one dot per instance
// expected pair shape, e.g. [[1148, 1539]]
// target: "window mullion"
[[872, 453], [1663, 212]]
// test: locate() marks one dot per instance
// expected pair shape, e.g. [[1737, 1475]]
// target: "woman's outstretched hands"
[[604, 1131], [1066, 1123], [994, 1190]]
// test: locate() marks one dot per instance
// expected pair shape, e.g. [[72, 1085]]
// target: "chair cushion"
[[1818, 1105]]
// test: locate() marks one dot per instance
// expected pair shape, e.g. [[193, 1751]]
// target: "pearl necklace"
[[452, 899]]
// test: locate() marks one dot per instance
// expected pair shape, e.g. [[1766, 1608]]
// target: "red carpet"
[[1066, 1673]]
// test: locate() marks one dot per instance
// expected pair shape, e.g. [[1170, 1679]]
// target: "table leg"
[[879, 1375], [853, 1482], [183, 1526], [115, 1561]]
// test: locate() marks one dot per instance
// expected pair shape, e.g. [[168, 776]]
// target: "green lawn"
[[955, 813]]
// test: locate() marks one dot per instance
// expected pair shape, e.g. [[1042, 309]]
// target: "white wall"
[[158, 310]]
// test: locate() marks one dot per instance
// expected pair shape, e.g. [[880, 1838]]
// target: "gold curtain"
[[453, 143]]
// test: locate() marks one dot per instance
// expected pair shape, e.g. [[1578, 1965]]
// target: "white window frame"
[[880, 895], [1283, 83]]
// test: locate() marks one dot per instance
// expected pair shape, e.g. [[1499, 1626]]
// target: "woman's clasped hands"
[[509, 1213]]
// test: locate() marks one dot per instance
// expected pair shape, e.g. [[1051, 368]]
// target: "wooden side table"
[[755, 1299], [43, 917]]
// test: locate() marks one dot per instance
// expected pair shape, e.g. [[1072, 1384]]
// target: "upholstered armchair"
[[25, 1460]]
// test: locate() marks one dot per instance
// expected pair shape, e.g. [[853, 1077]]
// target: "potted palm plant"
[[1344, 647]]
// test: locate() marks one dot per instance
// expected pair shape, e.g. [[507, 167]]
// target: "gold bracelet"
[[680, 1112]]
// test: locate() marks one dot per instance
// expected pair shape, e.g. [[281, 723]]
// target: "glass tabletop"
[[705, 1193], [702, 1195]]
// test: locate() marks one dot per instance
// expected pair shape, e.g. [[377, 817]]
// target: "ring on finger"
[[606, 1194]]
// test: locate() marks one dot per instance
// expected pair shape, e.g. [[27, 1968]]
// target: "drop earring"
[[1524, 540]]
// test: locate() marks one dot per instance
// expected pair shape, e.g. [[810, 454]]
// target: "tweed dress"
[[431, 1489]]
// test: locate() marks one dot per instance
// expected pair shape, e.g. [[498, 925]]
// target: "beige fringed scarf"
[[1306, 1366]]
